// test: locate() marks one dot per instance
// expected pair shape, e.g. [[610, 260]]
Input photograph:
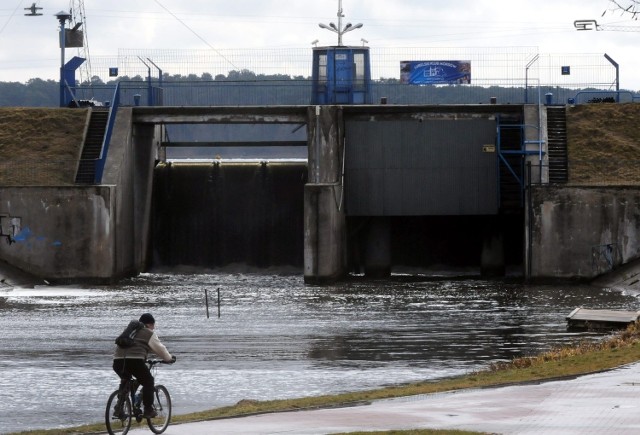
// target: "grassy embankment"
[[40, 146], [588, 357], [603, 144]]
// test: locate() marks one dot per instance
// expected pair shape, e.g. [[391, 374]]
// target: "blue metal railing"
[[113, 109]]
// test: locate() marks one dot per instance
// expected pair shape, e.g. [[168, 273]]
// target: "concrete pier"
[[324, 232], [324, 217]]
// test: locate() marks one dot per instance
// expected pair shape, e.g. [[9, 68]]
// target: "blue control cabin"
[[341, 75]]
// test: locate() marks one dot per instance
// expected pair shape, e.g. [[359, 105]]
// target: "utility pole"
[[62, 17]]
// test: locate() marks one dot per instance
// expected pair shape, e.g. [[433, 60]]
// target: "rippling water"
[[275, 338]]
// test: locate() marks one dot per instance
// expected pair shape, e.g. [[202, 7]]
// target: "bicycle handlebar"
[[153, 362]]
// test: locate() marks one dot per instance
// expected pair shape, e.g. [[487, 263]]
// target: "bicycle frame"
[[118, 418], [132, 385]]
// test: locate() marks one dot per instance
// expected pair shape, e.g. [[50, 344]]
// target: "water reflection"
[[276, 337]]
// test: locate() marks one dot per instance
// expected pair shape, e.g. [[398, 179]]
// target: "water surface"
[[276, 337]]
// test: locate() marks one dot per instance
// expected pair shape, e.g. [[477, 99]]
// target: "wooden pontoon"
[[582, 318]]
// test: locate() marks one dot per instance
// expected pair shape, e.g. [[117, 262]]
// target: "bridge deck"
[[300, 114]]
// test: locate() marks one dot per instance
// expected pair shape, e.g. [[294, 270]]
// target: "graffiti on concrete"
[[9, 227]]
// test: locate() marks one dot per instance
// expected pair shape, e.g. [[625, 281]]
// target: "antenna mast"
[[78, 18]]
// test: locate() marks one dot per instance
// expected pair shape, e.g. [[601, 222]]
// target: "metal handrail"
[[101, 160]]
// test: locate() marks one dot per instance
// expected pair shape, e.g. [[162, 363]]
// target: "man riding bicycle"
[[130, 361]]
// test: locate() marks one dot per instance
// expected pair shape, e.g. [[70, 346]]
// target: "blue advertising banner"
[[435, 72]]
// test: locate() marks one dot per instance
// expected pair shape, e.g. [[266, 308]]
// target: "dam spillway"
[[210, 215], [216, 214]]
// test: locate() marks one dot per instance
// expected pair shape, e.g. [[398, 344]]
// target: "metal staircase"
[[92, 146], [557, 144]]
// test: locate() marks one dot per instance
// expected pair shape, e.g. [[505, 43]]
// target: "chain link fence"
[[512, 75]]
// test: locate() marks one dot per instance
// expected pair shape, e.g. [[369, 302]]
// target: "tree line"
[[245, 87]]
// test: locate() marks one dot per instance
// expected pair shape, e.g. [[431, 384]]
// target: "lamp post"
[[62, 17], [339, 29], [617, 67]]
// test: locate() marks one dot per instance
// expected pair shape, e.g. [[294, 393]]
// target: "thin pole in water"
[[218, 302], [206, 301]]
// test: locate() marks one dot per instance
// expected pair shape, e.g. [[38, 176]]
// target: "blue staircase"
[[92, 146]]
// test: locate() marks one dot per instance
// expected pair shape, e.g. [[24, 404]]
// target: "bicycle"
[[126, 405]]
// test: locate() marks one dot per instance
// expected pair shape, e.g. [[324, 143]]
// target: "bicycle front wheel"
[[117, 416], [162, 405]]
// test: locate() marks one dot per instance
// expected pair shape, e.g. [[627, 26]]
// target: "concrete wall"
[[624, 279], [129, 168], [92, 233], [582, 232], [66, 233], [535, 132]]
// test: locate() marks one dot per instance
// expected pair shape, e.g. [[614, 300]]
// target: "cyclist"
[[131, 361]]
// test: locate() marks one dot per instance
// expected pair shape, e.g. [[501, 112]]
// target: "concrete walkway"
[[602, 403]]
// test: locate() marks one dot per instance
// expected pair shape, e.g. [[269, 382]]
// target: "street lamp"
[[339, 29]]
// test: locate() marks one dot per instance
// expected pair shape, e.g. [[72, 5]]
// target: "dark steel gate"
[[422, 167]]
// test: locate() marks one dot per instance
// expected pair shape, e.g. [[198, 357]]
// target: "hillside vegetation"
[[40, 146], [604, 144]]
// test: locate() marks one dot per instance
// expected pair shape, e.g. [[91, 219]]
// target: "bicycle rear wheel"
[[118, 419], [162, 405]]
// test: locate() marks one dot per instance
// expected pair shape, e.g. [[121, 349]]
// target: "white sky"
[[29, 45]]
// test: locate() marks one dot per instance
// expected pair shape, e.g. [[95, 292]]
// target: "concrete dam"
[[441, 208], [208, 215], [384, 188]]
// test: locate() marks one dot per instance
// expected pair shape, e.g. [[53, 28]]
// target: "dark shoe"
[[149, 413], [117, 411]]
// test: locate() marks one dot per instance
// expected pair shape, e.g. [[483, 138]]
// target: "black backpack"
[[125, 339]]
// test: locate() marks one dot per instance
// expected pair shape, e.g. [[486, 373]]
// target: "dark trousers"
[[125, 368]]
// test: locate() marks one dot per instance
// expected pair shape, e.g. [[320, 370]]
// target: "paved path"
[[602, 403]]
